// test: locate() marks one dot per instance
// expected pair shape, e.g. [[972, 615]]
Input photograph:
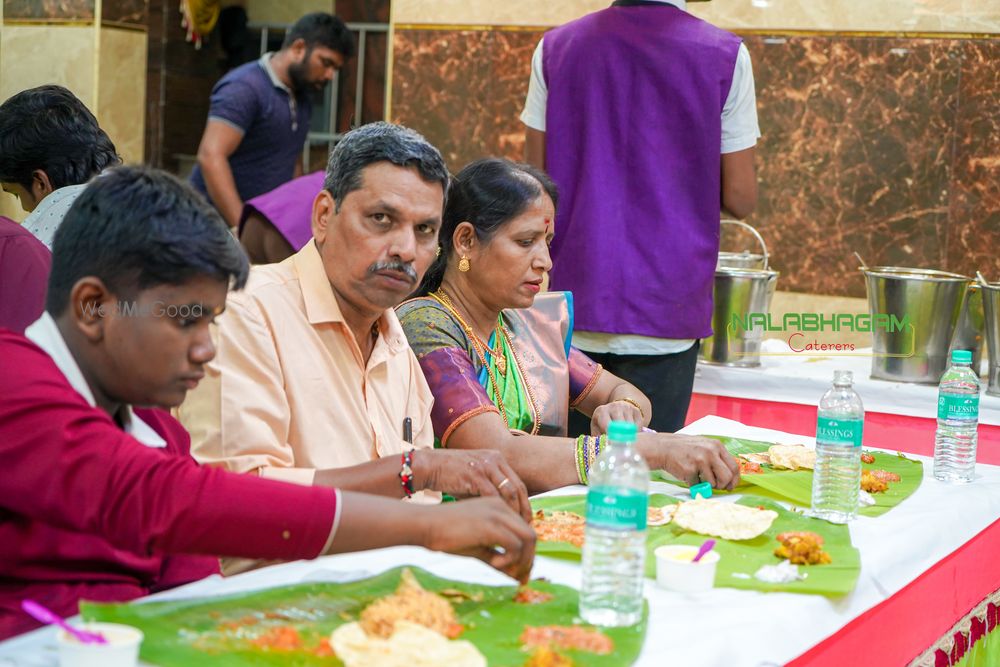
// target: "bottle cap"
[[701, 490], [620, 431], [961, 356], [843, 377]]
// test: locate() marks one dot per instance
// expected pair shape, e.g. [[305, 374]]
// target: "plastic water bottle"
[[614, 549], [837, 477], [957, 422]]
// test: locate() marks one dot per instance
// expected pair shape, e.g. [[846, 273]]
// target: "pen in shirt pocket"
[[408, 430]]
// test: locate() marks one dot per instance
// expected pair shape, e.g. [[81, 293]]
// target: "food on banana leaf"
[[567, 637], [411, 603], [527, 595], [792, 457], [409, 645], [722, 519], [802, 548], [559, 526], [660, 516]]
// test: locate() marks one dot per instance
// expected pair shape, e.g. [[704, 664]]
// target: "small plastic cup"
[[676, 571], [122, 649]]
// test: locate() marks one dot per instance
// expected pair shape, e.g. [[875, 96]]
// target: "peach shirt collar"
[[322, 307]]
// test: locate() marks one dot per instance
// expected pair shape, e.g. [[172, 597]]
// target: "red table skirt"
[[913, 435]]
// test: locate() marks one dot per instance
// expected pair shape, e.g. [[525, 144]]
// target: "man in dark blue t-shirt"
[[259, 114]]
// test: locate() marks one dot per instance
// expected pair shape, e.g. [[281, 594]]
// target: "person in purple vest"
[[645, 117], [277, 224]]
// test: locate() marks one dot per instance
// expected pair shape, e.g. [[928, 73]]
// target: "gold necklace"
[[442, 297], [498, 354]]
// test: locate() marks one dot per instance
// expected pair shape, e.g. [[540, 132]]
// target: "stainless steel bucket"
[[929, 302], [739, 290], [970, 332], [991, 306], [745, 259]]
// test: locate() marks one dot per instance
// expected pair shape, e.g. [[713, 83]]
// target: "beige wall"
[[954, 16], [121, 90], [105, 67]]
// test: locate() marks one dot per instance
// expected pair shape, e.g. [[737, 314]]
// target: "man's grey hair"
[[381, 142]]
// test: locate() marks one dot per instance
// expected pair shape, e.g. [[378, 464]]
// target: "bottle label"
[[961, 408], [616, 508], [846, 432]]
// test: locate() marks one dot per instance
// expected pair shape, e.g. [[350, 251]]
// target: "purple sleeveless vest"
[[633, 135]]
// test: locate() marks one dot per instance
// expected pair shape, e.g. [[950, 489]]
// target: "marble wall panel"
[[886, 146], [855, 155], [974, 239], [285, 11], [463, 90], [45, 10], [121, 94], [957, 16], [131, 13]]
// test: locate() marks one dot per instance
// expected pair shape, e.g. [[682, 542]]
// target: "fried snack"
[[409, 645], [559, 526], [567, 637], [411, 603], [792, 457], [877, 481], [802, 548], [760, 458], [722, 519], [867, 457]]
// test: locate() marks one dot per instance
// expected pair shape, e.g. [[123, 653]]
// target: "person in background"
[[497, 355], [24, 272], [276, 225], [50, 147], [259, 114], [666, 145], [99, 499]]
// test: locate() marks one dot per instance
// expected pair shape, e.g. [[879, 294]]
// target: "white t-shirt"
[[740, 131]]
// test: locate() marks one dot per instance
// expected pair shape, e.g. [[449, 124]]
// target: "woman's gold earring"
[[463, 264], [437, 252]]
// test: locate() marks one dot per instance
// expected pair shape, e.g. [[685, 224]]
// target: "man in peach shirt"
[[314, 378]]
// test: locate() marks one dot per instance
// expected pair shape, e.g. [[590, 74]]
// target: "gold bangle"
[[632, 402]]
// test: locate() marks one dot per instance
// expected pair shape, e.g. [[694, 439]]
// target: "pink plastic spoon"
[[43, 615], [705, 548]]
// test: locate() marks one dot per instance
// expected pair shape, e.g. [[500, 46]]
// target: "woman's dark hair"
[[322, 29], [488, 193], [48, 128], [135, 228]]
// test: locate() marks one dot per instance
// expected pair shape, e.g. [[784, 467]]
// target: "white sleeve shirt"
[[739, 114]]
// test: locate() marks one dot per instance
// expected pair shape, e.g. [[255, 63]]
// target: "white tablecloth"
[[787, 377], [719, 627]]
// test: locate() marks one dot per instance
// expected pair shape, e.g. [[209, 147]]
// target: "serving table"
[[925, 565], [787, 386]]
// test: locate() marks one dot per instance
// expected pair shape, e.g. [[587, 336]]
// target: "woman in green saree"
[[497, 355]]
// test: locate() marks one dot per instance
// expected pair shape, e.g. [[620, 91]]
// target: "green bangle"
[[581, 458]]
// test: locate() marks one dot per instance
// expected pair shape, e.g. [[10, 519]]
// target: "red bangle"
[[406, 473]]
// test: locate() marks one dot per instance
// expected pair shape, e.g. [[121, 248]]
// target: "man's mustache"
[[398, 266]]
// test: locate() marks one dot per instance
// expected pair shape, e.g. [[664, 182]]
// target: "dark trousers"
[[666, 380]]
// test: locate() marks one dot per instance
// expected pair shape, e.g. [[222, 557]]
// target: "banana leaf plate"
[[739, 559], [230, 631], [796, 485]]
